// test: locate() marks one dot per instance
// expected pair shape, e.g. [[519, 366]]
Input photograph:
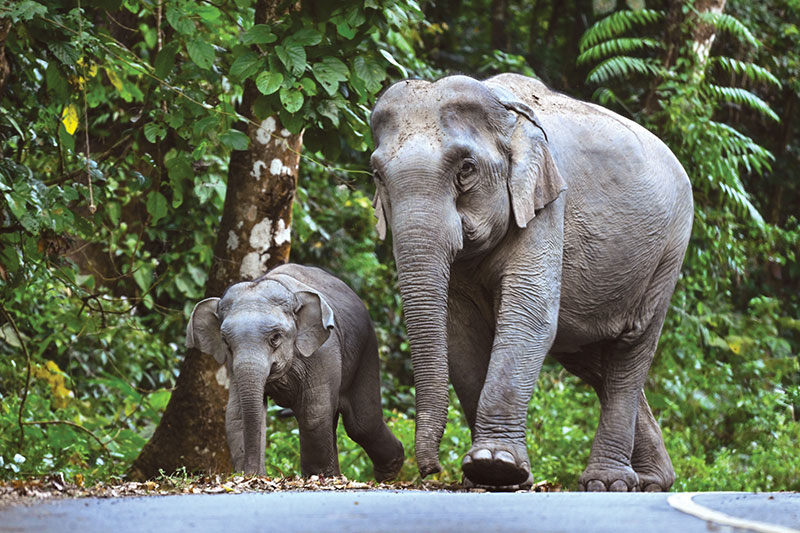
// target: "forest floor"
[[28, 491]]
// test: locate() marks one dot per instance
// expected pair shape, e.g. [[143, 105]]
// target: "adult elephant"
[[525, 223]]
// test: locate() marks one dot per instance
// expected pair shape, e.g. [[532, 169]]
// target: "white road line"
[[683, 502]]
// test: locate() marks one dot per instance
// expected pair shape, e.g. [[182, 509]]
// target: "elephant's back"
[[628, 203]]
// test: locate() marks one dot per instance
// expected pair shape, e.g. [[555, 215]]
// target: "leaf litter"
[[27, 491]]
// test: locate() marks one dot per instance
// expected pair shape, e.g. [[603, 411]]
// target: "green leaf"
[[26, 10], [293, 57], [201, 53], [156, 206], [55, 81], [259, 34], [268, 82], [159, 399], [329, 72], [154, 132], [306, 37], [370, 72], [165, 60], [207, 12], [345, 30], [64, 52], [291, 98], [235, 139], [246, 65], [179, 21], [390, 58]]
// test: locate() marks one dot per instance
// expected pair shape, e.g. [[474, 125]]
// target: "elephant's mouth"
[[277, 371]]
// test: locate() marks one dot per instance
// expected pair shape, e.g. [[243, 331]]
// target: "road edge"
[[684, 503]]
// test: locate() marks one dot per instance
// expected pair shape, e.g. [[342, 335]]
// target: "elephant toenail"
[[595, 485], [482, 455], [467, 460], [618, 486], [505, 457], [652, 487]]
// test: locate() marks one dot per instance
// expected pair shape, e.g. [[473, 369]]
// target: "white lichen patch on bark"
[[277, 168], [233, 240], [261, 235], [258, 167], [222, 377], [265, 130], [251, 266], [285, 132], [282, 232]]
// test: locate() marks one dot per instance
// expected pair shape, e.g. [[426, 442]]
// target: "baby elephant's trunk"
[[250, 379]]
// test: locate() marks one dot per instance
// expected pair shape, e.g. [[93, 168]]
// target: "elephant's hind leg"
[[650, 459], [363, 418], [624, 368]]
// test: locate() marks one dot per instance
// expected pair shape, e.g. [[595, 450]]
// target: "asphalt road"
[[401, 511]]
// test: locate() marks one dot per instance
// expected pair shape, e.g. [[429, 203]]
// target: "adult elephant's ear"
[[380, 214], [533, 179], [203, 333]]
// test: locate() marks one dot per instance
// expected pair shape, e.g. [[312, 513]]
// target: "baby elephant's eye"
[[275, 339]]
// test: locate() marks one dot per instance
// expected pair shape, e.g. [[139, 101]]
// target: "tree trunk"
[[5, 69], [500, 32], [704, 34], [254, 236]]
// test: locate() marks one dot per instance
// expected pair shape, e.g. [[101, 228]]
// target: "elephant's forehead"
[[257, 295], [431, 112]]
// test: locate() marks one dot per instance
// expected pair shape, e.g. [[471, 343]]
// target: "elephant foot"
[[598, 479], [653, 483], [468, 484], [389, 471], [497, 464]]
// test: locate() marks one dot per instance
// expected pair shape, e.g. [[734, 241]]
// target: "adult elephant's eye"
[[467, 175], [275, 340]]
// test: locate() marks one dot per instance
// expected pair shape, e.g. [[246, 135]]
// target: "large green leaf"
[[201, 53], [291, 98], [259, 34], [268, 82], [179, 21], [235, 139], [246, 65], [329, 72], [370, 72], [156, 206], [165, 60], [306, 37], [293, 57]]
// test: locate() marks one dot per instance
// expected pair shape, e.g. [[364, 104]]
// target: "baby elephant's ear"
[[203, 330], [314, 321]]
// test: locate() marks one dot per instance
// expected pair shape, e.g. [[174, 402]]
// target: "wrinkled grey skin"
[[527, 223], [302, 337]]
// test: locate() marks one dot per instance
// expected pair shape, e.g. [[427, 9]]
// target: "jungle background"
[[138, 145]]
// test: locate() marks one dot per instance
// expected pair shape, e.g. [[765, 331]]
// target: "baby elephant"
[[303, 337]]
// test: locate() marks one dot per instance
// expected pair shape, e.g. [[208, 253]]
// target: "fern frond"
[[731, 25], [744, 97], [751, 70], [613, 47], [617, 23], [605, 96], [621, 67]]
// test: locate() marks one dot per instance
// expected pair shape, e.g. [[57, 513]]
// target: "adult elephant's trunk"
[[423, 267], [251, 375]]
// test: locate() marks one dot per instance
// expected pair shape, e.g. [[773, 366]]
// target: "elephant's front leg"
[[317, 417], [526, 326]]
